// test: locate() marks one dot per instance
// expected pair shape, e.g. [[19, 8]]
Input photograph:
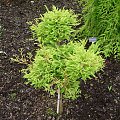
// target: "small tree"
[[61, 69]]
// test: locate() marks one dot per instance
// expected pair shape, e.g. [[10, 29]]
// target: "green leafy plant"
[[54, 26], [13, 96], [110, 87], [62, 68], [50, 111], [0, 30], [102, 20]]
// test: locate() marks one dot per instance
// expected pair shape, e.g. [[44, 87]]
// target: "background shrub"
[[54, 26], [102, 20], [63, 67]]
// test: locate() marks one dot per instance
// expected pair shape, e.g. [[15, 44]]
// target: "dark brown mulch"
[[22, 102]]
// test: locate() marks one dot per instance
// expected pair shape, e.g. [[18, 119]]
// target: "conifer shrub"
[[54, 26], [63, 68], [60, 68], [102, 20]]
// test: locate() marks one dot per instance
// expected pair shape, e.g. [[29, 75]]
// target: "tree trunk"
[[59, 103]]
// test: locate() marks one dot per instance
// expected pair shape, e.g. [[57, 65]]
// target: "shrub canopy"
[[63, 67], [54, 26]]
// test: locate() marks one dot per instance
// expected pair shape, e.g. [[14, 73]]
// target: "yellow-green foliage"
[[63, 67], [102, 20], [54, 26]]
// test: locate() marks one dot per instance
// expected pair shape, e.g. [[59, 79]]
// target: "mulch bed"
[[100, 96]]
